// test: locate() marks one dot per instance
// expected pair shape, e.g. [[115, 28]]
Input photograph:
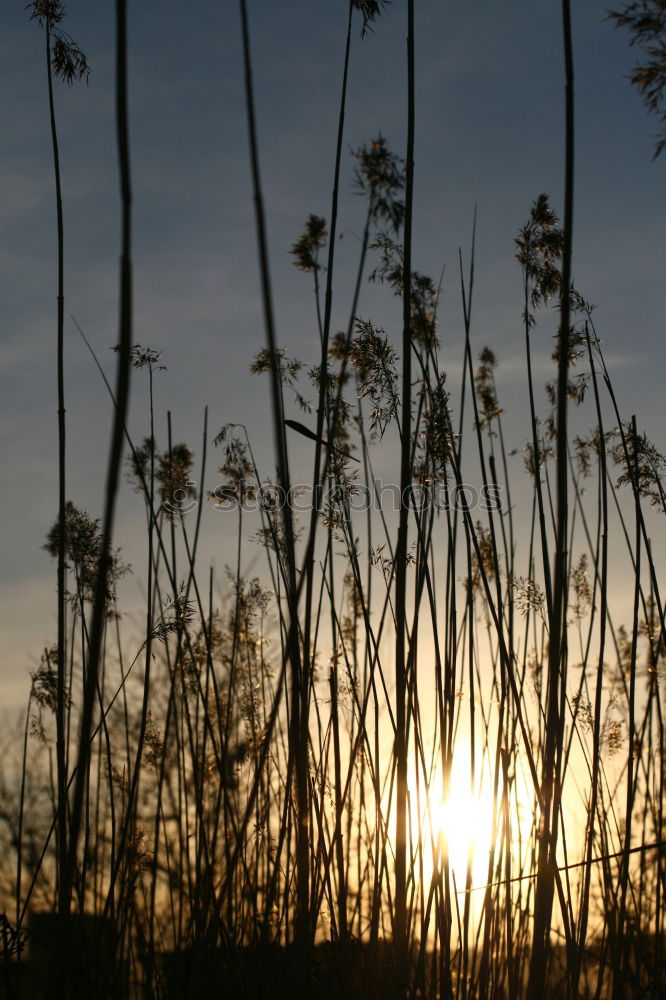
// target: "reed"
[[420, 750]]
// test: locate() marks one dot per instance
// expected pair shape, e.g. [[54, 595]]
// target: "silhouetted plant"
[[259, 800], [66, 61], [306, 248], [83, 550], [370, 10], [379, 176], [646, 23]]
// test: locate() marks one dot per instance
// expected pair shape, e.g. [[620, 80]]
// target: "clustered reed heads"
[[646, 23], [486, 390], [144, 357], [539, 248], [644, 467], [424, 294], [370, 10], [306, 249], [83, 547], [69, 62], [379, 175], [375, 362]]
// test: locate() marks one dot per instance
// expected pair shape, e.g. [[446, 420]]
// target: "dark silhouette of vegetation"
[[646, 22], [419, 753]]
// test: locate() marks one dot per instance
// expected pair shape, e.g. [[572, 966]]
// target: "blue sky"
[[489, 132]]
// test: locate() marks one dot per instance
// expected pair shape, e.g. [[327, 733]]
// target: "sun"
[[460, 822]]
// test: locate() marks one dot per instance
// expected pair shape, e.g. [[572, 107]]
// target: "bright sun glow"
[[461, 822]]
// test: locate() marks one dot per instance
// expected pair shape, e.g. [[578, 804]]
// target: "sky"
[[489, 127]]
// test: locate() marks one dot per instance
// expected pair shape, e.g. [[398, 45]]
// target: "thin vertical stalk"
[[603, 613], [557, 650], [400, 912], [298, 737], [621, 950], [117, 435], [60, 349]]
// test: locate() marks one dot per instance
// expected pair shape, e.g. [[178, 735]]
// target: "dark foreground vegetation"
[[261, 796], [333, 970]]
